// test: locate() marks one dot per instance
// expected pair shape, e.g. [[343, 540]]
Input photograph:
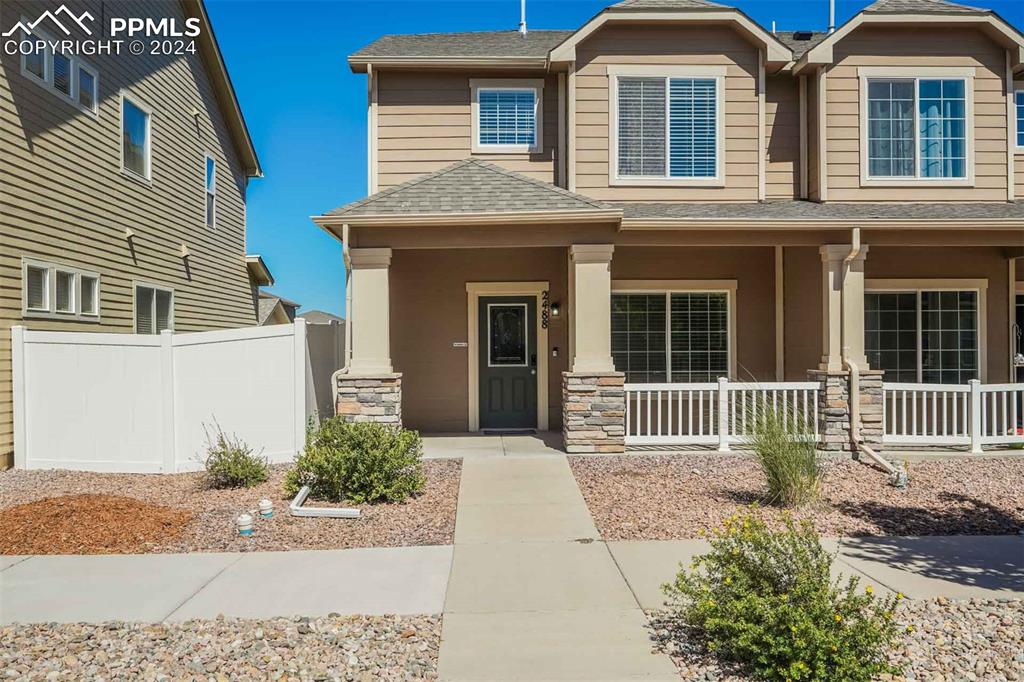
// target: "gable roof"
[[796, 41], [471, 188], [668, 4], [223, 88], [920, 7]]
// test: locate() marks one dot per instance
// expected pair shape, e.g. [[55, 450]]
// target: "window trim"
[[526, 334], [536, 85], [75, 63], [208, 222], [903, 286], [641, 71], [124, 95], [1018, 119], [916, 74], [688, 286], [51, 312], [144, 284]]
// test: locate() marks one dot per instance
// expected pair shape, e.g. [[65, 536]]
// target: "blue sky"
[[307, 112]]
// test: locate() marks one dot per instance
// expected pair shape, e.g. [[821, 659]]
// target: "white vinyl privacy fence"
[[139, 403]]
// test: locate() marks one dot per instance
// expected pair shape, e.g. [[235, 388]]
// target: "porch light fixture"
[[555, 309]]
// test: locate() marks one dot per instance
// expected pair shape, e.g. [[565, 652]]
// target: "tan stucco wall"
[[429, 313], [753, 270], [424, 123]]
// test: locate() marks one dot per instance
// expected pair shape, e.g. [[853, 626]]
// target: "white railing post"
[[168, 443], [723, 414], [976, 424], [18, 360]]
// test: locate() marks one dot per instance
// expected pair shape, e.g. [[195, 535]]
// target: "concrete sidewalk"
[[534, 595], [158, 587]]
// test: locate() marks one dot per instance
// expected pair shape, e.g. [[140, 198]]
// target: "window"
[[667, 128], [211, 192], [923, 336], [67, 76], [135, 138], [507, 115], [60, 292], [154, 309], [671, 336], [917, 128], [1018, 100]]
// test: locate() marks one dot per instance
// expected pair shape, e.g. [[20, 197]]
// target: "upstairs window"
[[211, 192], [667, 128], [917, 128], [67, 76], [135, 138], [506, 115]]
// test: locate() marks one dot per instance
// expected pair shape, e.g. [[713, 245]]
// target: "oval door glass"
[[506, 331]]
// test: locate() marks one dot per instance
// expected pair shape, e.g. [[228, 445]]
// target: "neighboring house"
[[276, 310], [671, 191], [321, 317], [122, 206]]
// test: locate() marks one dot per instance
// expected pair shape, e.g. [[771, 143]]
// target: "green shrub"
[[364, 462], [765, 602], [784, 444], [230, 463]]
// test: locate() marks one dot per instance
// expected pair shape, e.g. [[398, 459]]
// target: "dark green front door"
[[508, 362]]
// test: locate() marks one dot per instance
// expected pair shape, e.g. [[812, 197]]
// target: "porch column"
[[593, 396], [370, 391], [592, 307], [842, 299], [370, 315]]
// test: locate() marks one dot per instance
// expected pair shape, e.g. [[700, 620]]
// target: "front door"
[[508, 362]]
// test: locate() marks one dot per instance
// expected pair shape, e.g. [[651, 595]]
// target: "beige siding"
[[905, 47], [705, 46], [64, 199], [424, 124], [813, 158], [1018, 176], [782, 137]]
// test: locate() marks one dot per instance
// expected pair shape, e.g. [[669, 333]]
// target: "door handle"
[[533, 360]]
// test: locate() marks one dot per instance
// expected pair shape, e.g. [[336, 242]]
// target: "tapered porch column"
[[370, 315], [842, 299], [592, 300], [370, 391]]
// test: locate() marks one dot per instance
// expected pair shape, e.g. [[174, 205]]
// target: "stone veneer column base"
[[594, 412], [834, 409], [374, 398]]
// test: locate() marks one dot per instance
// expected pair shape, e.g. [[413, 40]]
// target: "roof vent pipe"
[[831, 16], [773, 27], [522, 17]]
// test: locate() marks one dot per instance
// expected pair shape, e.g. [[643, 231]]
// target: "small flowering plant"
[[766, 602]]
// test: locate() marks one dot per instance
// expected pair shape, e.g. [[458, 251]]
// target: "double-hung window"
[[59, 292], [917, 128], [211, 191], [67, 76], [666, 128], [135, 138], [507, 115], [924, 335], [679, 336], [154, 309]]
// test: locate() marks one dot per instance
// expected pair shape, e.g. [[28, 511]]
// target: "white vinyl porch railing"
[[711, 413], [974, 414]]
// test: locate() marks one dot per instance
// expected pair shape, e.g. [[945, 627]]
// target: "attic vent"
[[802, 35]]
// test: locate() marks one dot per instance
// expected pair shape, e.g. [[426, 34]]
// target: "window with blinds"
[[65, 292], [154, 310], [37, 288], [667, 127], [64, 75], [507, 117], [671, 336], [59, 291]]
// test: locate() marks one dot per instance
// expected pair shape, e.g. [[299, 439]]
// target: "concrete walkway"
[[158, 587], [534, 594]]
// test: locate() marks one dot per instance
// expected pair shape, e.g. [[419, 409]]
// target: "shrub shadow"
[[963, 516]]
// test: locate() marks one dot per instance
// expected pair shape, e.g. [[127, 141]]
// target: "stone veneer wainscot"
[[594, 412], [370, 398]]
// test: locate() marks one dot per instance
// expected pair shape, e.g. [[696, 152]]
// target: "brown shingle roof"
[[809, 210], [468, 44], [921, 7]]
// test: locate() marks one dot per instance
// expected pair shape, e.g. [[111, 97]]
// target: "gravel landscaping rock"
[[678, 496], [426, 519], [950, 641], [360, 649]]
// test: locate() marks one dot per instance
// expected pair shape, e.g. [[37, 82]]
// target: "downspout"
[[897, 477], [348, 313]]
